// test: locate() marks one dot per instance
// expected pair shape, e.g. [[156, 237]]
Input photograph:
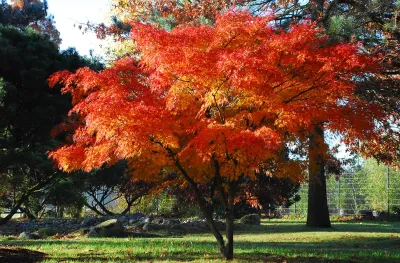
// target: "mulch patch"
[[18, 255]]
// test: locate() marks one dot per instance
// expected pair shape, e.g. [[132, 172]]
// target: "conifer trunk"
[[318, 213]]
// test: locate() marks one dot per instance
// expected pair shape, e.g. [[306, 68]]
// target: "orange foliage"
[[182, 11], [21, 3], [215, 100]]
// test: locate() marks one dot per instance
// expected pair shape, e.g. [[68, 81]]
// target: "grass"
[[273, 241]]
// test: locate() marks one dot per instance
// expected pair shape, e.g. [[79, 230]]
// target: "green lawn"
[[274, 241]]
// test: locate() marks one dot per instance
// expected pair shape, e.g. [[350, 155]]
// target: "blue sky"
[[68, 13]]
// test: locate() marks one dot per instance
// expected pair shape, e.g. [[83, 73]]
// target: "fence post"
[[387, 189], [338, 195], [157, 203]]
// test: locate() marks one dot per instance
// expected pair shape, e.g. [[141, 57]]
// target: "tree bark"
[[318, 213], [94, 209], [207, 212], [27, 212], [228, 253], [14, 209], [25, 197]]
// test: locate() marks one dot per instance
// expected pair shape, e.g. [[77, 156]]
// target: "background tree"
[[29, 111], [376, 192], [22, 13], [263, 194], [107, 185], [30, 13]]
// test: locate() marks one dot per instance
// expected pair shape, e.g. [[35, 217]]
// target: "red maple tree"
[[215, 104]]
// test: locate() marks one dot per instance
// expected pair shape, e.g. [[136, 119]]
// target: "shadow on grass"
[[286, 227], [282, 227], [18, 255], [172, 258], [380, 249]]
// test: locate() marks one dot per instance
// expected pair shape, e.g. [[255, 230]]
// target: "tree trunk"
[[28, 213], [60, 211], [228, 253], [94, 209], [25, 197], [226, 249], [211, 224], [318, 213], [14, 209]]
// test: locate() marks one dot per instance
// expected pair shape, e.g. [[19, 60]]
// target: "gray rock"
[[152, 227], [109, 228], [199, 224], [158, 221], [195, 225], [176, 227], [89, 221], [24, 235], [148, 219], [220, 225], [46, 232], [122, 219], [166, 221], [132, 221], [28, 236], [171, 221], [141, 222], [251, 219], [136, 216], [93, 233]]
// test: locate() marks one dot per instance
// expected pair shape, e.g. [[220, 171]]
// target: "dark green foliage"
[[267, 193], [103, 187], [29, 110], [30, 12]]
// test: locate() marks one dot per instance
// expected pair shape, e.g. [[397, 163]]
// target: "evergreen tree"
[[29, 111]]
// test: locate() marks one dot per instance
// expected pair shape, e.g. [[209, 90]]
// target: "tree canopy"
[[216, 104]]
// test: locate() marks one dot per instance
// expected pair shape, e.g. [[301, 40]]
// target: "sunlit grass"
[[274, 241]]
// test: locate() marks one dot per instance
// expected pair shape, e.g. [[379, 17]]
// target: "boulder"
[[89, 221], [196, 225], [148, 219], [46, 232], [220, 225], [166, 221], [177, 227], [109, 228], [171, 222], [122, 219], [135, 217], [158, 221], [152, 227], [140, 223], [251, 219], [134, 220], [28, 236], [93, 233]]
